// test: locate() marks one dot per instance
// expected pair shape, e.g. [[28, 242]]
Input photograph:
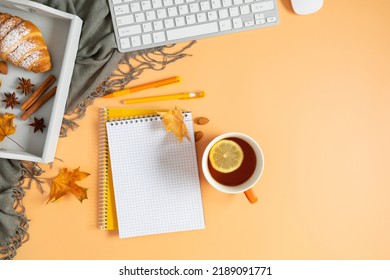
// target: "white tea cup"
[[243, 187]]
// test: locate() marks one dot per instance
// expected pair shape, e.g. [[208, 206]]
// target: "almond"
[[202, 120], [198, 135], [3, 68]]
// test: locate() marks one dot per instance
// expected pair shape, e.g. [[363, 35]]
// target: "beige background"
[[314, 92]]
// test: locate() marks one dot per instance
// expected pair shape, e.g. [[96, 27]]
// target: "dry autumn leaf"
[[65, 183], [7, 127], [173, 121]]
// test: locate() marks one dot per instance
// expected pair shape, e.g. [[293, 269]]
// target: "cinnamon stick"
[[38, 92], [38, 104]]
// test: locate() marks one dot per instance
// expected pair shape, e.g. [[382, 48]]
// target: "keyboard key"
[[168, 3], [136, 41], [245, 10], [249, 23], [121, 10], [227, 3], [147, 39], [225, 25], [205, 6], [183, 10], [115, 2], [262, 6], [234, 12], [212, 15], [216, 4], [191, 31], [194, 7], [172, 11], [159, 37], [125, 43], [179, 21], [135, 7], [140, 17], [146, 5], [201, 17], [260, 21], [158, 25], [169, 23], [271, 19], [191, 19], [129, 30], [157, 4], [223, 13], [147, 27], [150, 15], [162, 13], [259, 16], [237, 23], [125, 20]]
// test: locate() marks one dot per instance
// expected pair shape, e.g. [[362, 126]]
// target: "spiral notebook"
[[155, 178]]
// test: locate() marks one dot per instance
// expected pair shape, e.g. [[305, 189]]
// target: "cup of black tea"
[[233, 163]]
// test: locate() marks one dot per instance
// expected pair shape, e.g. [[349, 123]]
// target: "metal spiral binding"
[[103, 169], [135, 119], [138, 119]]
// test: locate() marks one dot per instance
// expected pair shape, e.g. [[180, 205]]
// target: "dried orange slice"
[[226, 156]]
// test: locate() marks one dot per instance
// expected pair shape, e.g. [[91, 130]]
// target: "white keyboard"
[[142, 24]]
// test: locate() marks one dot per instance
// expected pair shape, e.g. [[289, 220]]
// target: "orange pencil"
[[155, 84]]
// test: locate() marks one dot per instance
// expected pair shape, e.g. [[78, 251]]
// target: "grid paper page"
[[155, 177]]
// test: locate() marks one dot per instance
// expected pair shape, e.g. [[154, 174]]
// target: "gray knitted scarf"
[[13, 222], [100, 69]]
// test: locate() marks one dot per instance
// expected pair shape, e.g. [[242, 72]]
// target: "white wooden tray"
[[61, 32]]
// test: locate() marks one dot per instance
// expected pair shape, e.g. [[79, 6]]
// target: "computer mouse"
[[305, 7]]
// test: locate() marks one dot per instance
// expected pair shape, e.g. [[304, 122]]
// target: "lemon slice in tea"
[[226, 156]]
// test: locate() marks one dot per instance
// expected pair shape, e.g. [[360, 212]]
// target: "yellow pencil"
[[183, 95], [154, 84]]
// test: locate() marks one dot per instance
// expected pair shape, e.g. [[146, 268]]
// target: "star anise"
[[25, 85], [38, 124], [10, 100]]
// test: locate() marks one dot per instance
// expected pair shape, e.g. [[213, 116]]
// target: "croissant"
[[22, 44]]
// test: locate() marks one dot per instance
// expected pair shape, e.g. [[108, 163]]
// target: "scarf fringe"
[[129, 69], [8, 250]]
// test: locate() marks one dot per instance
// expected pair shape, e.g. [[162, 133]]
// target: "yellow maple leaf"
[[65, 183], [7, 127], [173, 121]]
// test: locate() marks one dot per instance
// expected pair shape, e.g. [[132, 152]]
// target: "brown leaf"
[[65, 183], [7, 127], [173, 121]]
